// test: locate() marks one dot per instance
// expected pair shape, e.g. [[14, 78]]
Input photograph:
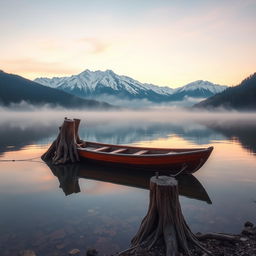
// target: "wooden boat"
[[171, 160]]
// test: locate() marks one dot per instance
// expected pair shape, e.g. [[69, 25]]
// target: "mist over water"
[[156, 114], [125, 127]]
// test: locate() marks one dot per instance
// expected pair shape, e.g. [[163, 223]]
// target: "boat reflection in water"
[[69, 174]]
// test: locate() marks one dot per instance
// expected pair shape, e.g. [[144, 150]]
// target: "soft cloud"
[[31, 67], [94, 45], [53, 57], [72, 46]]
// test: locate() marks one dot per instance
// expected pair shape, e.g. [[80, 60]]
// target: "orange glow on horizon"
[[169, 43]]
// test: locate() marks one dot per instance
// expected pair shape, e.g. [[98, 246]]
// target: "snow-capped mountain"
[[105, 84], [203, 86], [198, 89], [91, 84]]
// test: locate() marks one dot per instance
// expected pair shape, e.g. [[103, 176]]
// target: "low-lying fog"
[[167, 115]]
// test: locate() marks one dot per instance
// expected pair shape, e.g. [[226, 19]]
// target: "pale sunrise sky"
[[164, 42]]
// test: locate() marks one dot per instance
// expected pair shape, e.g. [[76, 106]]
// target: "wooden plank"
[[101, 149], [141, 152], [120, 150]]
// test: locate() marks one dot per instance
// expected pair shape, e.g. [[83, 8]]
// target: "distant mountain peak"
[[240, 97], [202, 85], [101, 84], [109, 71]]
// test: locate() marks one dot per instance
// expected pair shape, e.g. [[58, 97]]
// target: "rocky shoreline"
[[243, 244]]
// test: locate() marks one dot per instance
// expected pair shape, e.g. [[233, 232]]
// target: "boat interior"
[[136, 151]]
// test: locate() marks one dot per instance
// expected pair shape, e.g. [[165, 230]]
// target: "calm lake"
[[53, 210]]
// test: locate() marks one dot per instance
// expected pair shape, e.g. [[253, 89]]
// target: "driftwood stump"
[[164, 220], [64, 148]]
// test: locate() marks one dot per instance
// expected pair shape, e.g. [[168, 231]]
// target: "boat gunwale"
[[185, 152], [141, 147]]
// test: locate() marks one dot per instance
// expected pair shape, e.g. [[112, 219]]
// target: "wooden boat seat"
[[141, 152], [101, 149], [90, 148], [120, 150]]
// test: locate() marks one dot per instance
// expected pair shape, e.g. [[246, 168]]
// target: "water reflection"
[[105, 215], [240, 131], [68, 176], [32, 204], [16, 136]]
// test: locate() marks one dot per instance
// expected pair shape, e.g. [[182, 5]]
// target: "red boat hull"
[[171, 160]]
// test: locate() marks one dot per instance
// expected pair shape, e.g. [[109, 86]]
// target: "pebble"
[[74, 252], [27, 253]]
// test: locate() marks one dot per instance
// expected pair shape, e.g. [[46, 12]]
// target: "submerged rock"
[[91, 252], [60, 246], [249, 231], [248, 224], [27, 253], [57, 234]]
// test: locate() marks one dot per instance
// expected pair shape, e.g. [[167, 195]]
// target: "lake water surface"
[[53, 210]]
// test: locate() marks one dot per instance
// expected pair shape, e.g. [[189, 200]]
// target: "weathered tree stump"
[[164, 220], [77, 123], [64, 147]]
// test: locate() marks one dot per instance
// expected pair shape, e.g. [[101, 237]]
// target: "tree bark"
[[64, 147], [77, 123], [164, 220]]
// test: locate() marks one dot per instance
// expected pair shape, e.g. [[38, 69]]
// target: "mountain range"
[[108, 86], [240, 97], [80, 91], [16, 89]]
